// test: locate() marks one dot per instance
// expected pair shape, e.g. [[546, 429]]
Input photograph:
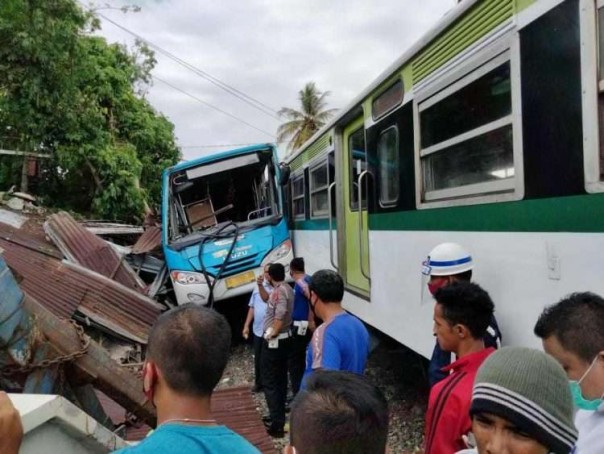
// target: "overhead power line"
[[259, 105], [211, 106]]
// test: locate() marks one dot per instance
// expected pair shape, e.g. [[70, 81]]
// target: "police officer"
[[276, 348]]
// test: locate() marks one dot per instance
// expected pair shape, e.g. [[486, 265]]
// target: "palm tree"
[[302, 124]]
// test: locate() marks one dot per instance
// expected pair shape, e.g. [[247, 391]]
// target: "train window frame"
[[592, 81], [505, 50], [352, 186], [376, 114], [323, 164], [296, 197], [391, 202]]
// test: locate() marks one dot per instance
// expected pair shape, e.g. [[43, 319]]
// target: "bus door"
[[355, 239]]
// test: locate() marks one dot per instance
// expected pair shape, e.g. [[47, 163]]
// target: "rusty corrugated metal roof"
[[232, 407], [85, 248], [65, 287], [148, 241]]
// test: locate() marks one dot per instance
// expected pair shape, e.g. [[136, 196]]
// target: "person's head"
[[296, 265], [266, 275], [338, 413], [521, 404], [462, 314], [276, 273], [447, 263], [187, 352], [326, 287], [572, 332]]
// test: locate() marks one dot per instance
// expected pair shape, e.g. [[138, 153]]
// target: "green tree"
[[79, 99], [302, 124]]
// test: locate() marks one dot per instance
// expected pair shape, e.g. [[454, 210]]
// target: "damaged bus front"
[[223, 220]]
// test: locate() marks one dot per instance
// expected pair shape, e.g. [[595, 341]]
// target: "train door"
[[354, 236]]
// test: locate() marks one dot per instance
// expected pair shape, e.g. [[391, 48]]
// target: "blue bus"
[[223, 220]]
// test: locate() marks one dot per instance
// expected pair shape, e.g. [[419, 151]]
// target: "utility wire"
[[267, 110], [186, 93]]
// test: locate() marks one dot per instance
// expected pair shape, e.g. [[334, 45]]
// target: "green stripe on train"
[[563, 214], [315, 224]]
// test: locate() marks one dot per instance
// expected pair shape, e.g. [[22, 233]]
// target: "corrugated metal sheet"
[[233, 407], [64, 287], [148, 241], [85, 248]]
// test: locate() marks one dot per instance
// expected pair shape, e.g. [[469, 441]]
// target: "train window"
[[466, 136], [319, 183], [387, 100], [389, 162], [358, 163], [298, 197]]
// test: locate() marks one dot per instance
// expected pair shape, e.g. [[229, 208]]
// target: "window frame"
[[375, 117], [593, 87], [322, 163], [506, 49], [363, 204], [296, 178], [389, 203]]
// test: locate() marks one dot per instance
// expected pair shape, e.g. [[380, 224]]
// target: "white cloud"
[[268, 49]]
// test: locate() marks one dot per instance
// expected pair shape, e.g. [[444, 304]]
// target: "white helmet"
[[447, 259]]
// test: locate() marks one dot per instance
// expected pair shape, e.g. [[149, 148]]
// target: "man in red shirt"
[[461, 316]]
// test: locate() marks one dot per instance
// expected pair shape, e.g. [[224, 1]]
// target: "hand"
[[11, 429], [268, 334], [260, 280], [246, 332]]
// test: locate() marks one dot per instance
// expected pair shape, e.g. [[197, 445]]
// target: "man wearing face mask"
[[342, 341], [448, 263], [187, 352], [572, 332]]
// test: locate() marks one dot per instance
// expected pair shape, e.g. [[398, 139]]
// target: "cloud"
[[267, 49]]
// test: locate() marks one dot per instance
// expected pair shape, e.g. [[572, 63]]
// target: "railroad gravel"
[[397, 371]]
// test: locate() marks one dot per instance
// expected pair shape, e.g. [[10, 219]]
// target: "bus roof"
[[220, 156]]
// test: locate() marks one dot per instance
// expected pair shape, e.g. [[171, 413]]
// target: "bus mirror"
[[285, 171]]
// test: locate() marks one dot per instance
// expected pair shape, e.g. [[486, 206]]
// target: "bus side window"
[[319, 183], [358, 163]]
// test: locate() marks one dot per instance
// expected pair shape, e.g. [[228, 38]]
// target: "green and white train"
[[486, 133]]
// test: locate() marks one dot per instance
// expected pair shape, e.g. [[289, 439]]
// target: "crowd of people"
[[484, 399]]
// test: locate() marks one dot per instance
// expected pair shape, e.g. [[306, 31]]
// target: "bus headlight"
[[187, 278], [278, 253]]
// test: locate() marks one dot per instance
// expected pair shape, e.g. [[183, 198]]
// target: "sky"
[[266, 49]]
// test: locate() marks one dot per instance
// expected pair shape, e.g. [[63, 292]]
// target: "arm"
[[327, 354], [261, 290], [248, 320], [11, 429], [453, 422]]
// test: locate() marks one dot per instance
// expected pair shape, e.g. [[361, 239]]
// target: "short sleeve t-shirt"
[[259, 308], [301, 307], [340, 344], [180, 438], [280, 306]]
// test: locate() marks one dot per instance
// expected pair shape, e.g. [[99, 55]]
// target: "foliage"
[[302, 124], [73, 96]]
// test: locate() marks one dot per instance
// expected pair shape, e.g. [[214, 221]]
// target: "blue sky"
[[267, 49]]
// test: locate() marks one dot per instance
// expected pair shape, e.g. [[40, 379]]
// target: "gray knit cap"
[[529, 389]]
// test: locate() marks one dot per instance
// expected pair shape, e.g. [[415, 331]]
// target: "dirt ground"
[[398, 372]]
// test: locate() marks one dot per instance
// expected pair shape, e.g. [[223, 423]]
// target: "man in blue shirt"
[[187, 352], [302, 323], [257, 312], [342, 341]]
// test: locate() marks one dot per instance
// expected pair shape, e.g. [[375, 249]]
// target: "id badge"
[[302, 327], [273, 343]]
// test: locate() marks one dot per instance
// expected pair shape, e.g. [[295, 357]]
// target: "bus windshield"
[[240, 189]]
